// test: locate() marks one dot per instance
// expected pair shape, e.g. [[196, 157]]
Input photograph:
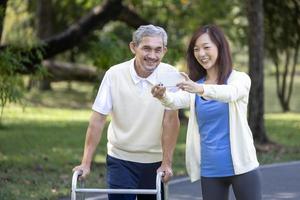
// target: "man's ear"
[[132, 47], [165, 49]]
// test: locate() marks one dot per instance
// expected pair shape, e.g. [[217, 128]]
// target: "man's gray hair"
[[151, 31]]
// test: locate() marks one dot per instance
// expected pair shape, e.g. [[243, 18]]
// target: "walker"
[[83, 190]]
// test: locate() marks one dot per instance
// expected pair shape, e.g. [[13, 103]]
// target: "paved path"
[[279, 181]]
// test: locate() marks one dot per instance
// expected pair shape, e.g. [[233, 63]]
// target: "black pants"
[[122, 174], [245, 186]]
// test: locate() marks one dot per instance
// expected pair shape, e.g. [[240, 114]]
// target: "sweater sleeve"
[[176, 100], [237, 88]]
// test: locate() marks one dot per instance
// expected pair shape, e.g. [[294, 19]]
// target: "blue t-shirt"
[[213, 121]]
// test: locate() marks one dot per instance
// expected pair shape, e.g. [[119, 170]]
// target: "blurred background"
[[54, 53]]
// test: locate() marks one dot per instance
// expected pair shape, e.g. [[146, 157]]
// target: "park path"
[[279, 182]]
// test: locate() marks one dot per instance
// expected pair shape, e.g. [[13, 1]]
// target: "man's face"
[[148, 54]]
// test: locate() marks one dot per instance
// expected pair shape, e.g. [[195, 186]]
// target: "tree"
[[114, 10], [15, 60], [256, 67], [225, 13], [72, 36], [282, 44]]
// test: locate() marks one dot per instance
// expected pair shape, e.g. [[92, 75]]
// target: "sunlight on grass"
[[283, 116], [100, 158], [45, 114]]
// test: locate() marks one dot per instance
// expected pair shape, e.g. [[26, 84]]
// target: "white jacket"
[[236, 93]]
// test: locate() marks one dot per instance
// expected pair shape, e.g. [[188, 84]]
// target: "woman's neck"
[[212, 76]]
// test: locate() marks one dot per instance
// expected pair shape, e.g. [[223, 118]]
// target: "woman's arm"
[[237, 88], [173, 100]]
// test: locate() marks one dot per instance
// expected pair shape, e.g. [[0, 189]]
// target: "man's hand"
[[167, 170], [85, 170]]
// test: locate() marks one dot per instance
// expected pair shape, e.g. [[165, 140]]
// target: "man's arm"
[[170, 134], [93, 136]]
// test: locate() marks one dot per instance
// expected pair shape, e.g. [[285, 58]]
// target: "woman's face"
[[206, 52]]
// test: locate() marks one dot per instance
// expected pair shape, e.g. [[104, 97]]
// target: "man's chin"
[[151, 68]]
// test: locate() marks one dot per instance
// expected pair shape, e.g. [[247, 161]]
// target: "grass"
[[283, 129], [39, 147], [41, 143]]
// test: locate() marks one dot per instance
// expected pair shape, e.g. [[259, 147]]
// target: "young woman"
[[219, 146]]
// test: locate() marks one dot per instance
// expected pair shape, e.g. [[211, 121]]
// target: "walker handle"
[[75, 177], [78, 173]]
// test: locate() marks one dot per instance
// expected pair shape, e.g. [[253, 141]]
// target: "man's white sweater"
[[134, 133]]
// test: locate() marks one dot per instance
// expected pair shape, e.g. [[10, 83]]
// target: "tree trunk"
[[44, 30], [295, 61], [285, 87], [63, 71], [256, 55], [3, 4]]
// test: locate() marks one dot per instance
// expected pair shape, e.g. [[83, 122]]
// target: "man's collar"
[[136, 78]]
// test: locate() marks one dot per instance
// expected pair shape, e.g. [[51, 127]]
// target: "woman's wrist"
[[200, 89]]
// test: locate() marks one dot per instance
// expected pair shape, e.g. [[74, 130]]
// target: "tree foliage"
[[17, 58], [181, 19], [11, 84], [171, 14]]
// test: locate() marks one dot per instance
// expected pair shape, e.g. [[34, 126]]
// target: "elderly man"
[[142, 134]]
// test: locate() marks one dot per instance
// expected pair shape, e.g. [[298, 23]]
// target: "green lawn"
[[41, 143]]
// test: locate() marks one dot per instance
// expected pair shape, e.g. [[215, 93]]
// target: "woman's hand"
[[189, 85], [158, 91]]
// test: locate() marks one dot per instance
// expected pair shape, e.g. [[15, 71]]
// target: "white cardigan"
[[236, 94]]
